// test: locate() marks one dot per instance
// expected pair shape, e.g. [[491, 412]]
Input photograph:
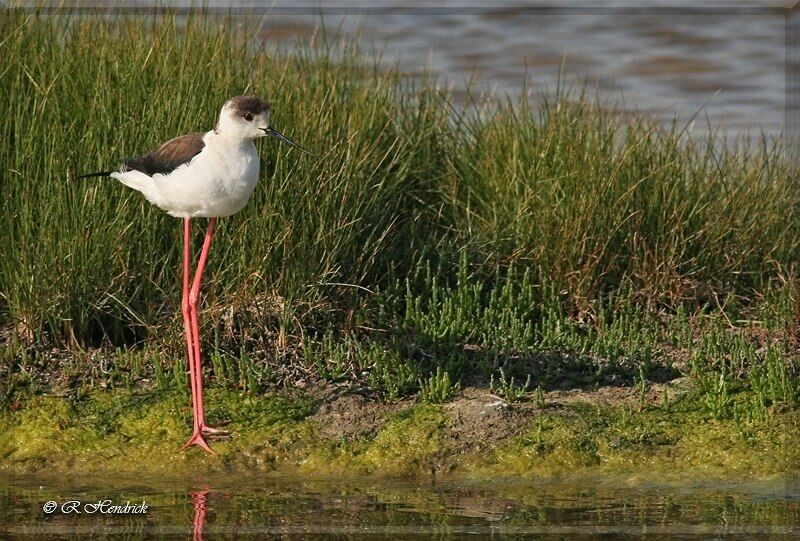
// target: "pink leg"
[[187, 317], [189, 309], [194, 299]]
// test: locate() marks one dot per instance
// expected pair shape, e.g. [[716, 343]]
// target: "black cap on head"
[[248, 104]]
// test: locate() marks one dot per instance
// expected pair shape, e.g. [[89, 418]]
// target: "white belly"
[[217, 182]]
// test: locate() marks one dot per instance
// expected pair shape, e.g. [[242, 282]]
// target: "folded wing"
[[168, 157]]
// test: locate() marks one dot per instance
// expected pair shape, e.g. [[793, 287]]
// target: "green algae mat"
[[337, 432]]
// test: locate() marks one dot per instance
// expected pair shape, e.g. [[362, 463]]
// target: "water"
[[725, 60], [269, 507], [720, 62]]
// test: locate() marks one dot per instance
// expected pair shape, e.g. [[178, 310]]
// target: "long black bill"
[[272, 132]]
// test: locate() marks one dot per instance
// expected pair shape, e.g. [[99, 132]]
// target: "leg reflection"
[[199, 503]]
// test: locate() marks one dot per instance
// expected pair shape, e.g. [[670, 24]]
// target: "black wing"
[[168, 157]]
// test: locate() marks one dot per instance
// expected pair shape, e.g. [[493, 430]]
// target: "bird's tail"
[[133, 179], [140, 182], [97, 174]]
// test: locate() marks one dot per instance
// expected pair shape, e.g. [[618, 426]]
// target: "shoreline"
[[344, 434]]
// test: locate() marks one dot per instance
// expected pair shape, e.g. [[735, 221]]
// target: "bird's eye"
[[248, 117]]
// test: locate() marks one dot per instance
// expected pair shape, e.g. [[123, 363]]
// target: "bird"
[[202, 175]]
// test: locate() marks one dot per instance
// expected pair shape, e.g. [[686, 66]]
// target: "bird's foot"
[[214, 433], [198, 439]]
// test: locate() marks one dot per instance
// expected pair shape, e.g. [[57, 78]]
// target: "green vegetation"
[[508, 389], [431, 248], [128, 434], [646, 445], [438, 388]]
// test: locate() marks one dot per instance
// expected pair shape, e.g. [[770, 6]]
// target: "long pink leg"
[[187, 317], [189, 309], [194, 299]]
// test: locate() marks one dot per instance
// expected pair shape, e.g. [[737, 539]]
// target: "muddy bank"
[[337, 431]]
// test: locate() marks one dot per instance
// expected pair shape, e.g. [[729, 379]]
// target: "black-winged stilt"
[[208, 175]]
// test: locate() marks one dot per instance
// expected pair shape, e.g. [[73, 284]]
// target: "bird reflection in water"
[[199, 504]]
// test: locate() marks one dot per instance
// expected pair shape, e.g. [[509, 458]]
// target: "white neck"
[[226, 139], [228, 130]]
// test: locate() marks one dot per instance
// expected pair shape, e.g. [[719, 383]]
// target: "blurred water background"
[[721, 63]]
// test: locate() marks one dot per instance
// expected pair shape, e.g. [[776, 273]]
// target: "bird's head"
[[247, 117]]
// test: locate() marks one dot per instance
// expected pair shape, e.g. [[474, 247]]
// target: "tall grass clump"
[[594, 200]]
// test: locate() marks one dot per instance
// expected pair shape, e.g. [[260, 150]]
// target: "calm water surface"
[[270, 508], [726, 60], [722, 62]]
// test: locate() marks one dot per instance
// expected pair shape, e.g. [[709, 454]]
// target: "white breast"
[[216, 183]]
